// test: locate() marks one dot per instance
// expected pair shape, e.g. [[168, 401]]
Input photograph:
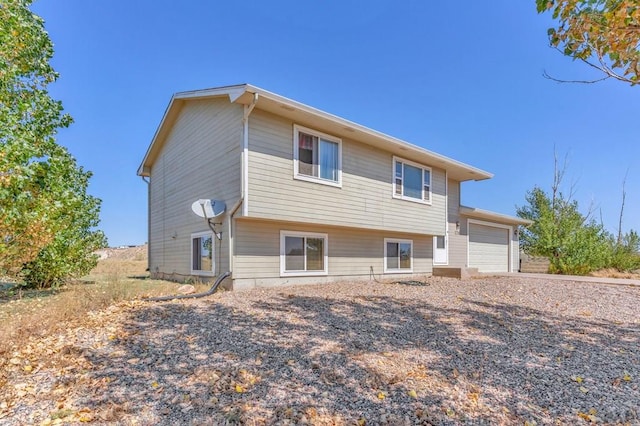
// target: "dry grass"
[[30, 314], [614, 273]]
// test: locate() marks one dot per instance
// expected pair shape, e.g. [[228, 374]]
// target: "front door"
[[440, 250]]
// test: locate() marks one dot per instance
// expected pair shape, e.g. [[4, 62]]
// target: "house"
[[310, 197]]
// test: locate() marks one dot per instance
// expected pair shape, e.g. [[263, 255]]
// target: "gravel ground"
[[484, 351]]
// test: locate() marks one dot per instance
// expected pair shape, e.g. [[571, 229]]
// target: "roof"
[[245, 94], [475, 213]]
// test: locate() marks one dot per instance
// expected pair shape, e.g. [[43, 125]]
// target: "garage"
[[488, 247]]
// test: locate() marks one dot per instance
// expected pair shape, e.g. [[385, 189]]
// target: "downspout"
[[245, 154], [148, 182], [230, 232]]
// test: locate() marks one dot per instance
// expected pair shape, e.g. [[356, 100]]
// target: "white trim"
[[446, 225], [493, 225], [417, 165], [325, 237], [480, 214], [397, 270], [296, 174], [213, 253]]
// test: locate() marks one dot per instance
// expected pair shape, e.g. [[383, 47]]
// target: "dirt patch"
[[138, 253]]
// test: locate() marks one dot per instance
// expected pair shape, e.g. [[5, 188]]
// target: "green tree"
[[626, 252], [604, 34], [45, 212], [572, 243]]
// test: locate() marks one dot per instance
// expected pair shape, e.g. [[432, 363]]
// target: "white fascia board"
[[234, 92], [141, 169], [493, 216]]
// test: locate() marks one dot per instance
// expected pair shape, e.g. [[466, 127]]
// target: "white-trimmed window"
[[202, 258], [411, 181], [303, 253], [398, 255], [317, 157]]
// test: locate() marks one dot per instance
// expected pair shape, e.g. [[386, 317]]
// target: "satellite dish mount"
[[210, 210]]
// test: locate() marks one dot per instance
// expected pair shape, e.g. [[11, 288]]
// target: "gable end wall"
[[200, 159]]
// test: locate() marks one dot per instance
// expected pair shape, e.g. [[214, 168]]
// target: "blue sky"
[[463, 79]]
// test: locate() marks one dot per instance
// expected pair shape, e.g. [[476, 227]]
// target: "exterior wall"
[[364, 200], [351, 253], [200, 159], [457, 238], [515, 250]]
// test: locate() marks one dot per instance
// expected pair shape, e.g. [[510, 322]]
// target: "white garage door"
[[488, 248]]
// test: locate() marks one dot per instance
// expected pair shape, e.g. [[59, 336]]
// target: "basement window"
[[398, 255], [303, 253], [202, 253]]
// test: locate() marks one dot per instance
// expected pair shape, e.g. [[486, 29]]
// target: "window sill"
[[203, 273], [304, 274], [318, 180], [412, 200], [398, 271]]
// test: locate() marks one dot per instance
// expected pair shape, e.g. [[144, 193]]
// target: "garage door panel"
[[488, 248]]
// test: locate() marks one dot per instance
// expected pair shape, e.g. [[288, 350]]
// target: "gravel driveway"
[[504, 350]]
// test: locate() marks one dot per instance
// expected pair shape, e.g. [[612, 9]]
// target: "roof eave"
[[472, 172], [476, 213], [243, 94], [234, 92]]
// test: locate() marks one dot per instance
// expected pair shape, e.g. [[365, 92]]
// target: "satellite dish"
[[208, 209]]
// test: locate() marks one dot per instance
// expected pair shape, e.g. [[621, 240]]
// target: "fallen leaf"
[[381, 395], [577, 379], [450, 412], [239, 389], [362, 421], [154, 384], [626, 377], [412, 393], [583, 389], [587, 417], [85, 417], [27, 368]]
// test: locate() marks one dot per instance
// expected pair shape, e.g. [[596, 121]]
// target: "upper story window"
[[411, 181], [317, 157]]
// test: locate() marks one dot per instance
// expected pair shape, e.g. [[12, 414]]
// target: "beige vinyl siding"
[[515, 252], [364, 200], [457, 238], [200, 159], [351, 252]]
